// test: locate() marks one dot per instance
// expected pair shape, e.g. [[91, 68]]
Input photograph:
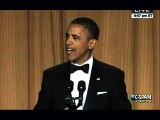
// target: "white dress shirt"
[[80, 75]]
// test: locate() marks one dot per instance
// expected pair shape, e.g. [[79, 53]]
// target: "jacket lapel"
[[63, 77], [92, 86], [67, 71]]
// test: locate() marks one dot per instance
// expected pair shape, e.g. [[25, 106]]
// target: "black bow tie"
[[84, 68]]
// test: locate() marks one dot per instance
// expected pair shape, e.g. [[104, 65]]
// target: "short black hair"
[[88, 24]]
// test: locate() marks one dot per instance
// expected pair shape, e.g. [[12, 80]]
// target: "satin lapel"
[[92, 86], [66, 74], [63, 77]]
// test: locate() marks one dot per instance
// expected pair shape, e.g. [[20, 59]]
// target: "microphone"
[[81, 88], [69, 86], [68, 98]]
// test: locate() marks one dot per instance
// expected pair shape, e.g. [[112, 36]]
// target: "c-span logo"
[[142, 14], [142, 98]]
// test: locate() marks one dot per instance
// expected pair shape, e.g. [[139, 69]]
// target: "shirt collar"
[[89, 61]]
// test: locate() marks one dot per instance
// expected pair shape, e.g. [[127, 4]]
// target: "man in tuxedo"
[[103, 84]]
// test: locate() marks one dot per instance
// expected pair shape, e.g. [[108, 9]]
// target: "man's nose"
[[69, 41]]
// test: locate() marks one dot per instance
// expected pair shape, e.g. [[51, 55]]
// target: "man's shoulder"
[[107, 67], [57, 67]]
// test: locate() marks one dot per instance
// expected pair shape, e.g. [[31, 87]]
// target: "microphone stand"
[[71, 105]]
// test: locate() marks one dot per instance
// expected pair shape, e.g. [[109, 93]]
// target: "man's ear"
[[92, 43]]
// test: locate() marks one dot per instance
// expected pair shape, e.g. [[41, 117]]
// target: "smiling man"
[[83, 83]]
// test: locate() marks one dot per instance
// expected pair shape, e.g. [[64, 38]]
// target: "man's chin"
[[70, 59]]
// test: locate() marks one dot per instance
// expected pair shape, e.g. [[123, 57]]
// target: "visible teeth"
[[69, 49]]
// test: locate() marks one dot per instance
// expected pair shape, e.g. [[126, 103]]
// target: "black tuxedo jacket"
[[111, 81]]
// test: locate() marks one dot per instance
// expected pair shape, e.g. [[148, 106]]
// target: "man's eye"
[[76, 37], [67, 36]]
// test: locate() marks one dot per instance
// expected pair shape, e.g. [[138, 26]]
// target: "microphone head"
[[69, 86], [81, 86]]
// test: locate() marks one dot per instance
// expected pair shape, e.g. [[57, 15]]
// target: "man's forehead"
[[76, 29], [76, 26]]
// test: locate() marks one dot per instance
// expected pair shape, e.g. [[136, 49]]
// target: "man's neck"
[[91, 57]]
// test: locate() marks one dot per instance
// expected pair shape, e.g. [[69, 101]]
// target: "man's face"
[[77, 44]]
